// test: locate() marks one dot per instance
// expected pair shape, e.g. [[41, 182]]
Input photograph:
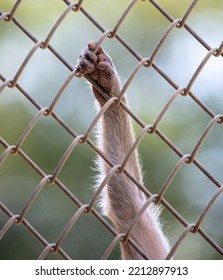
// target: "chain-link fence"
[[33, 207]]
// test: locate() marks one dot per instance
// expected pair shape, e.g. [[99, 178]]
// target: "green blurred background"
[[183, 124]]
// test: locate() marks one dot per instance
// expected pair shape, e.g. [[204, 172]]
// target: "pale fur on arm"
[[122, 199]]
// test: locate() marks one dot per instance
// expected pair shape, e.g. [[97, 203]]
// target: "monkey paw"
[[98, 65]]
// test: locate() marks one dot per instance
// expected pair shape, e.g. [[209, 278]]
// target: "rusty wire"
[[179, 92]]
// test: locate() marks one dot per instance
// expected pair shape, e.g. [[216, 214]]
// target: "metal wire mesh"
[[16, 150]]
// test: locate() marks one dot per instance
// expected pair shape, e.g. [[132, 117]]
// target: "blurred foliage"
[[148, 94]]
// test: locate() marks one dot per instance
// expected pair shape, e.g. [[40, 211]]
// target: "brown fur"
[[122, 199]]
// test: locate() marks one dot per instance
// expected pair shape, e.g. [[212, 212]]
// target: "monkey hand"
[[98, 65]]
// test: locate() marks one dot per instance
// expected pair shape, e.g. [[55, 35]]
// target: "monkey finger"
[[92, 45], [86, 65], [79, 71], [91, 56]]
